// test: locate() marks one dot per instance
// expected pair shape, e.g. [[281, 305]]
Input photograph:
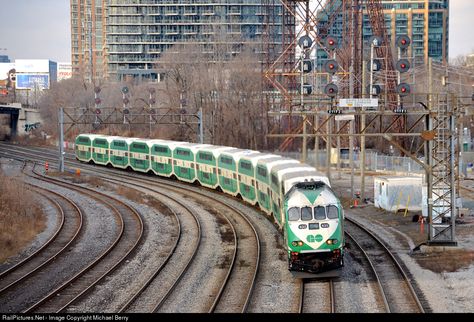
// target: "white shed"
[[394, 193]]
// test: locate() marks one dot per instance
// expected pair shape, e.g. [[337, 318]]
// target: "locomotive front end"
[[314, 228]]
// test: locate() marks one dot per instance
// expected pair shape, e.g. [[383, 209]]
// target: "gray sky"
[[40, 29]]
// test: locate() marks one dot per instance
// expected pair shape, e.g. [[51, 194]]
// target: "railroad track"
[[245, 260], [317, 296], [395, 288], [68, 228], [244, 263], [15, 299]]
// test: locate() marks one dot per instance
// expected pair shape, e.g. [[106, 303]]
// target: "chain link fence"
[[373, 161]]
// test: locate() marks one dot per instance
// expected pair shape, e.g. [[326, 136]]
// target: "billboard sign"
[[64, 71], [32, 81], [32, 65]]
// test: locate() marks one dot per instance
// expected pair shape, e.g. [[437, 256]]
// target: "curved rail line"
[[68, 230], [374, 272], [242, 252], [181, 187], [121, 247], [389, 273]]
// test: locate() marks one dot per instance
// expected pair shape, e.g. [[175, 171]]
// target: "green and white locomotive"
[[295, 195]]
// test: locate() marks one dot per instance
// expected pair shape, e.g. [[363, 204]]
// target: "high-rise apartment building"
[[88, 38], [115, 38], [426, 22]]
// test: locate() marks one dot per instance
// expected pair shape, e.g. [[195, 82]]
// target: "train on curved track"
[[298, 198]]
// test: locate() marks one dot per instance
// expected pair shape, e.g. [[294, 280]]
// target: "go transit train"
[[295, 195]]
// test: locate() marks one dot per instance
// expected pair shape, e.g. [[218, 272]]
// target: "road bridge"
[[14, 111]]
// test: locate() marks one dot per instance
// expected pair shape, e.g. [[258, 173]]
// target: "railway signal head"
[[307, 89], [126, 101], [307, 65], [403, 89], [125, 90], [97, 111], [331, 90], [403, 41], [305, 42], [97, 89], [375, 66], [331, 43], [403, 65], [331, 66], [375, 90], [376, 41], [97, 101]]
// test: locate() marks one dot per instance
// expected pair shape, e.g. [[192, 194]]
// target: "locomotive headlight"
[[300, 243], [297, 243], [294, 243], [331, 241]]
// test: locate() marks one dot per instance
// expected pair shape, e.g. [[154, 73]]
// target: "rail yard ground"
[[446, 278], [445, 275]]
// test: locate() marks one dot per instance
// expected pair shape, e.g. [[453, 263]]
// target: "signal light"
[[403, 65], [97, 101], [376, 65], [307, 65], [125, 90], [331, 43], [307, 89], [403, 89], [375, 90], [126, 100], [97, 89], [331, 90], [403, 41], [331, 66], [97, 111], [305, 42], [376, 41]]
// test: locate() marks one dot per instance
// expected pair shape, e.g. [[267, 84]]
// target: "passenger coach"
[[295, 195]]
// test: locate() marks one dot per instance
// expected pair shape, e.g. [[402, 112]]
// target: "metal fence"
[[373, 161]]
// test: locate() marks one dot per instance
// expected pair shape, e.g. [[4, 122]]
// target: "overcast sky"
[[40, 29]]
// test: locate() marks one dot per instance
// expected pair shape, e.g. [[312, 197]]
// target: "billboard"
[[32, 65], [64, 71], [32, 81]]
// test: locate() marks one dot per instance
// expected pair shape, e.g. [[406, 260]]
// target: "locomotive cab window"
[[332, 212], [306, 213], [293, 214], [319, 213]]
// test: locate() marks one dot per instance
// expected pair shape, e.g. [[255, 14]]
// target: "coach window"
[[293, 214], [332, 212], [306, 213], [319, 213]]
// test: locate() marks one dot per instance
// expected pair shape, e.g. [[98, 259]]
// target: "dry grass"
[[448, 261], [21, 218], [130, 194]]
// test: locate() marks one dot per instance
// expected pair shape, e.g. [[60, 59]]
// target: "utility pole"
[[61, 139]]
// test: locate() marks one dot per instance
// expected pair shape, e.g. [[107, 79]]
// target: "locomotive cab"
[[314, 228]]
